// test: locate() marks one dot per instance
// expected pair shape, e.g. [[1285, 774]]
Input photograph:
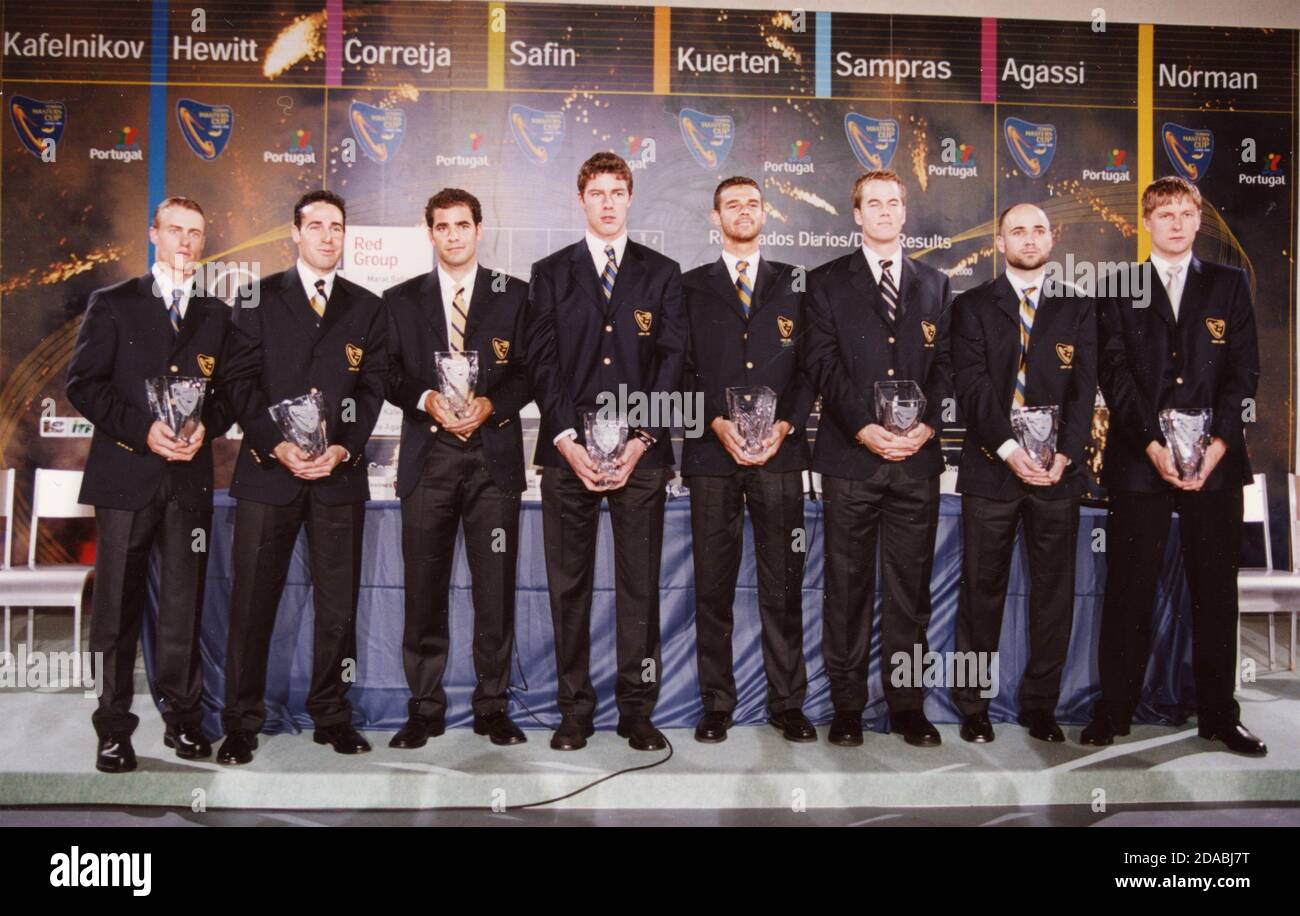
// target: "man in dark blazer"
[[308, 330], [1184, 338], [453, 469], [1020, 340], [150, 487], [876, 315], [605, 315], [746, 315]]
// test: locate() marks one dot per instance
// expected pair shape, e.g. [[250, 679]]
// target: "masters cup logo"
[[537, 133], [707, 137], [1189, 149], [1032, 146], [206, 128], [873, 141], [39, 124], [378, 130]]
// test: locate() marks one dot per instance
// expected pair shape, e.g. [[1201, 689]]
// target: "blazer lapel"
[[764, 277], [585, 276], [196, 312], [295, 298], [627, 283], [435, 309], [864, 282], [1194, 289], [480, 300], [1159, 295], [720, 280], [335, 309], [157, 320]]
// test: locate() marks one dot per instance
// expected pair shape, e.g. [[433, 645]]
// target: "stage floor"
[[47, 759]]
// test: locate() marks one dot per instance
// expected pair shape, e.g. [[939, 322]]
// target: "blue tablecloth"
[[380, 693]]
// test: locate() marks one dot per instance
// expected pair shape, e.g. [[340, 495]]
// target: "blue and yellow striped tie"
[[743, 289], [610, 275], [1027, 309], [174, 311]]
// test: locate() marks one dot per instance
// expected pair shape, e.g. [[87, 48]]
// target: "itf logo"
[[1189, 149], [39, 125], [379, 131], [537, 133], [1116, 170], [873, 141], [206, 128], [639, 151], [125, 149], [1032, 146], [707, 137]]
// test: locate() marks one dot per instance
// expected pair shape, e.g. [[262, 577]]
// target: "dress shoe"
[[343, 738], [976, 728], [416, 731], [640, 733], [915, 728], [237, 748], [794, 726], [1102, 731], [189, 742], [846, 729], [572, 734], [1042, 725], [115, 755], [499, 729], [713, 727], [1236, 736]]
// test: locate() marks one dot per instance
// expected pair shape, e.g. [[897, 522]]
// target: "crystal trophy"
[[753, 410], [1187, 430], [302, 421], [177, 401], [606, 437], [457, 376], [899, 405], [1035, 429]]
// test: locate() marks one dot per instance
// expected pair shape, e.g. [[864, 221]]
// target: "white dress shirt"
[[164, 284], [895, 265], [751, 266], [448, 285], [1162, 270], [308, 276]]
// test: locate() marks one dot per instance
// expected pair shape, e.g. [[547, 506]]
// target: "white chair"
[[7, 513], [1268, 590], [50, 585]]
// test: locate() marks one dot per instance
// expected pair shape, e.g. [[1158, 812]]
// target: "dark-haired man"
[[311, 330], [1185, 339], [746, 316], [875, 315], [150, 488], [458, 471], [604, 312]]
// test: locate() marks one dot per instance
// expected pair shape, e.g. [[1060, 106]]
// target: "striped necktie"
[[319, 301], [743, 289], [1027, 309], [610, 275], [459, 319], [888, 291], [174, 311]]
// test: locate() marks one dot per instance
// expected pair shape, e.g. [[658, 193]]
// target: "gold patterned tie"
[[743, 289], [1027, 309], [459, 316], [318, 301]]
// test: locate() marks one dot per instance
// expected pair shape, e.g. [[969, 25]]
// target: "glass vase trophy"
[[606, 437], [899, 405], [457, 376], [1035, 429], [177, 401], [1187, 430], [753, 410], [302, 422]]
